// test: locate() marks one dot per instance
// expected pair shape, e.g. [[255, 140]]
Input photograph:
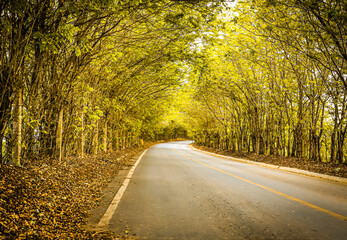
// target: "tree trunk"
[[127, 139], [334, 134], [81, 152], [95, 138], [123, 139], [332, 146], [298, 133], [59, 139], [117, 140], [0, 150], [261, 145], [288, 143], [105, 136], [110, 143], [17, 128], [254, 143], [340, 142]]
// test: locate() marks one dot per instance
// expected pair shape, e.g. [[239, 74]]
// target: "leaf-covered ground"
[[339, 170], [51, 200]]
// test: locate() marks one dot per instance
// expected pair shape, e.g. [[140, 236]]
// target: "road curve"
[[178, 193]]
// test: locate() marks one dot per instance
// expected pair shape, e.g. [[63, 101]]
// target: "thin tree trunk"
[[95, 138], [110, 143], [127, 139], [105, 136], [334, 135], [17, 128], [81, 136], [332, 147], [124, 139], [289, 141], [59, 139], [117, 140], [0, 150], [340, 143]]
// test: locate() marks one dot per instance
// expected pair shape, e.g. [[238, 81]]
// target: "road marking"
[[105, 220], [336, 215]]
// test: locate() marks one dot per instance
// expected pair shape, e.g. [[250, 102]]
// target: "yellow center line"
[[336, 215]]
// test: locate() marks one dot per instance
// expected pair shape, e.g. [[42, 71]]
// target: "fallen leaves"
[[48, 200]]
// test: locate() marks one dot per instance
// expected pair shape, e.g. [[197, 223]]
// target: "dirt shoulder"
[[338, 170], [50, 200]]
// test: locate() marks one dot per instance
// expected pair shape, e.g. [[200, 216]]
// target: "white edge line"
[[287, 169], [105, 220]]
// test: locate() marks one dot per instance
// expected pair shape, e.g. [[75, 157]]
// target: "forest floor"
[[338, 170], [47, 199]]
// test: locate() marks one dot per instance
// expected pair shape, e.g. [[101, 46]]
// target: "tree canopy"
[[83, 76], [264, 76], [277, 71]]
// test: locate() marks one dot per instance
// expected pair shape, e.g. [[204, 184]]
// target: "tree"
[[275, 70]]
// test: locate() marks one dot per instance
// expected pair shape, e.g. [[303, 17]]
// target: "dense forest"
[[80, 77], [86, 76], [271, 79]]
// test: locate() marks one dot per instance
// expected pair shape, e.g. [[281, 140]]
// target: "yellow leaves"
[[78, 51], [68, 31], [116, 55]]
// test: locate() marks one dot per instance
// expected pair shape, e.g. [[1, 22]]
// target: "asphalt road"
[[178, 193]]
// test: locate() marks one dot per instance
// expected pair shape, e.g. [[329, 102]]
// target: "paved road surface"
[[178, 193]]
